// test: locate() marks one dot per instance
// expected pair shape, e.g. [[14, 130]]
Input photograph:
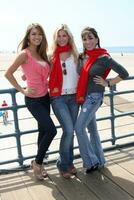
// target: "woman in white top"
[[63, 83]]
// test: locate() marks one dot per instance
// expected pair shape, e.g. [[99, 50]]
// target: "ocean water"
[[122, 49], [111, 49], [119, 49]]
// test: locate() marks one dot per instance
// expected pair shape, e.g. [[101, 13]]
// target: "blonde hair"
[[42, 48], [65, 28]]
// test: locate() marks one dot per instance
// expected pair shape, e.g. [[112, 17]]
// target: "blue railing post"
[[16, 125], [112, 114], [114, 137]]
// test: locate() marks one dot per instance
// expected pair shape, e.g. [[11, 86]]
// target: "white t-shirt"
[[70, 80]]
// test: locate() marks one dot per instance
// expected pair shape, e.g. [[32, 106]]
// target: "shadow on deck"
[[115, 181]]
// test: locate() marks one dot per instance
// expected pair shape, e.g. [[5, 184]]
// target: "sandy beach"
[[127, 60]]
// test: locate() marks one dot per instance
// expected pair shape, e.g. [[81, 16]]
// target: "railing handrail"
[[17, 133]]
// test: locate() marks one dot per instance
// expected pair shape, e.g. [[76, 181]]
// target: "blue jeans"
[[66, 111], [40, 109], [86, 130]]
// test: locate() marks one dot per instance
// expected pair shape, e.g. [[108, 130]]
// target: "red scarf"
[[56, 79], [82, 83]]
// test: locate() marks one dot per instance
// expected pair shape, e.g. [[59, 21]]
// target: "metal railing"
[[18, 133]]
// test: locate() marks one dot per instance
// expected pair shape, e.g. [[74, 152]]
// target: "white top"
[[70, 80]]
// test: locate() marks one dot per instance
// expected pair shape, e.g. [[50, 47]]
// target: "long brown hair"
[[87, 31], [42, 48]]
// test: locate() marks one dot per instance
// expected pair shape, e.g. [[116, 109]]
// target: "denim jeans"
[[86, 130], [66, 111], [40, 109]]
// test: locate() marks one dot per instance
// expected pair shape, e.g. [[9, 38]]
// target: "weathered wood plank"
[[115, 181], [41, 189], [118, 174], [129, 150], [73, 189], [103, 187], [123, 158], [13, 188]]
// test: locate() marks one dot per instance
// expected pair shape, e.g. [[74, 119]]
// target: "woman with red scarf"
[[94, 65], [63, 84]]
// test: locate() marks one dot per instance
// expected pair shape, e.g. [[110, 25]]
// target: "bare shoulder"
[[22, 55], [20, 59]]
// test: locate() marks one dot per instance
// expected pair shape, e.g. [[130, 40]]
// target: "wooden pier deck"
[[114, 182]]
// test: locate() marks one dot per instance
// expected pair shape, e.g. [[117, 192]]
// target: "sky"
[[113, 20]]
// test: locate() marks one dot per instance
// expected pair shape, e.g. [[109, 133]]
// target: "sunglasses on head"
[[64, 68]]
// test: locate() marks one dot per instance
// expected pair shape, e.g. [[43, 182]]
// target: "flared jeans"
[[86, 130]]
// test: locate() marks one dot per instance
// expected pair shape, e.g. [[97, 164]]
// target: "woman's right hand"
[[29, 91]]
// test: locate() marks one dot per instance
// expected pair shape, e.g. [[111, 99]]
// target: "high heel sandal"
[[65, 174], [44, 172], [93, 168], [37, 170], [72, 170]]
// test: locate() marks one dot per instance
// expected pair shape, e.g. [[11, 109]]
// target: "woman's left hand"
[[100, 81]]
